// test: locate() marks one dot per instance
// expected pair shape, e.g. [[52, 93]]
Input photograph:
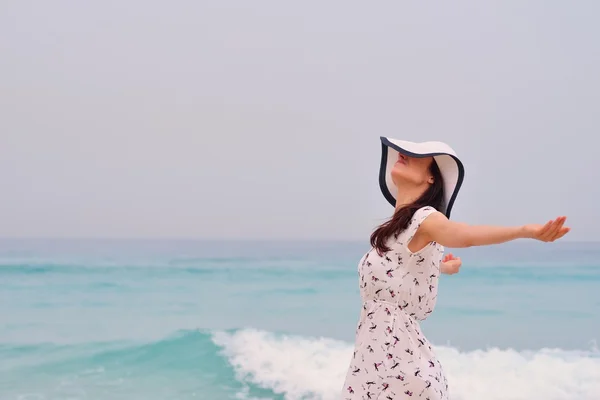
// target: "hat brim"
[[451, 168]]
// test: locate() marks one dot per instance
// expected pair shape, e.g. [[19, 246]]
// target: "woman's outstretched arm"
[[438, 228]]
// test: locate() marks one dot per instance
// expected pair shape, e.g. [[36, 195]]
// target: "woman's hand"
[[450, 264], [549, 232]]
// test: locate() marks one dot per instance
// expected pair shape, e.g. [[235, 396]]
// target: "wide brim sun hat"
[[451, 168]]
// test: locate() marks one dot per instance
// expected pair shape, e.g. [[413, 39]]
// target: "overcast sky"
[[216, 119]]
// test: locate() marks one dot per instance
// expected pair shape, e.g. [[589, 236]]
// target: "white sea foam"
[[314, 368]]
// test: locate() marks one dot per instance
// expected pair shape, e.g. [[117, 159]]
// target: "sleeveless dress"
[[392, 359]]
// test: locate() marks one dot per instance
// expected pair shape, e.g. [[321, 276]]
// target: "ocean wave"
[[207, 267], [127, 353], [257, 364], [186, 365], [299, 367]]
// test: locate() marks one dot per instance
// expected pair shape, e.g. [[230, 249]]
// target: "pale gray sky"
[[261, 119]]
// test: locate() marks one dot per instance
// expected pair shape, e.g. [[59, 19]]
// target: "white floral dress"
[[392, 359]]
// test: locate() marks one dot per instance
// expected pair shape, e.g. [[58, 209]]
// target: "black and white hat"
[[450, 166]]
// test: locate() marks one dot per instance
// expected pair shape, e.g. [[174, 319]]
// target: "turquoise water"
[[127, 319]]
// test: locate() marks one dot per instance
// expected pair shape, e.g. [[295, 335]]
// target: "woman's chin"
[[402, 179], [398, 174], [399, 182]]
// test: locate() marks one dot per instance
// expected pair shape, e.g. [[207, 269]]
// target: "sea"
[[190, 319]]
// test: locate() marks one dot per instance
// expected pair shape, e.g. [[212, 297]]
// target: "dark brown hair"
[[433, 197]]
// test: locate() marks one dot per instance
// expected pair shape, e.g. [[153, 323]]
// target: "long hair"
[[433, 197]]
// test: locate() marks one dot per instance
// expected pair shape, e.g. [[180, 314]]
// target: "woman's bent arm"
[[438, 228]]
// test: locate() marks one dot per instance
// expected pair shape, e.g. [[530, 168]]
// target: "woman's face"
[[412, 171]]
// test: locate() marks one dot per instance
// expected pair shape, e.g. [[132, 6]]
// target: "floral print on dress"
[[392, 359]]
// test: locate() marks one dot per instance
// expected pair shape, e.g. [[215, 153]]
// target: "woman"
[[399, 276]]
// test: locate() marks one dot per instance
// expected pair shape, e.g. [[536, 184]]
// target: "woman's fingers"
[[542, 233], [558, 228], [547, 232], [448, 257], [553, 229], [562, 232]]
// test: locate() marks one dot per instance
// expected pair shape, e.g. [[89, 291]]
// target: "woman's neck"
[[406, 197]]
